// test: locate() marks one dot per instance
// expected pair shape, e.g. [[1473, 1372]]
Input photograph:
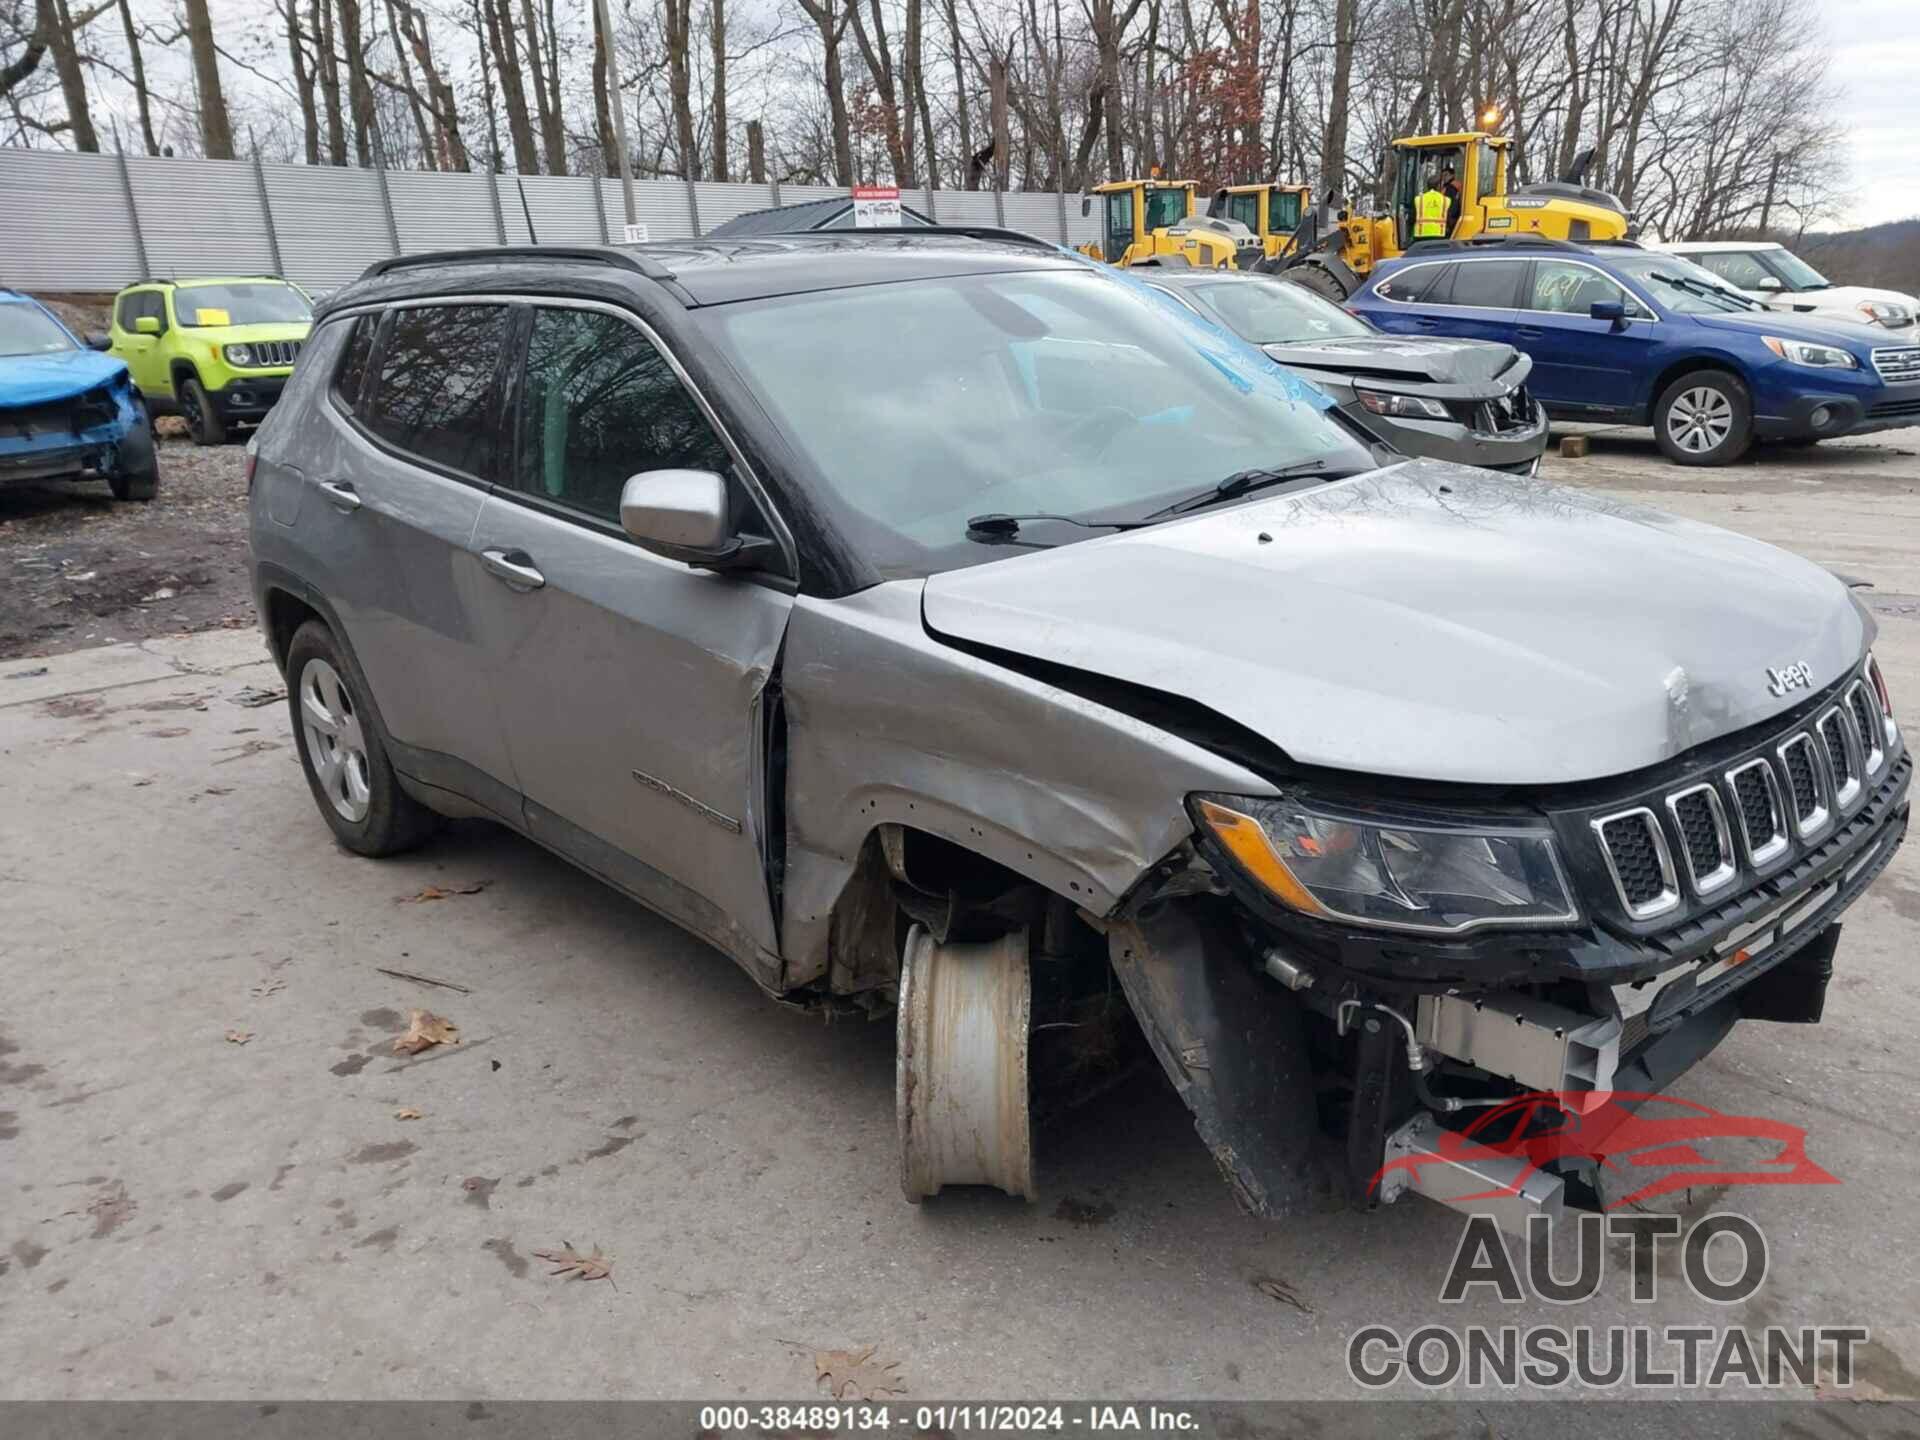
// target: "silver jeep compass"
[[943, 626]]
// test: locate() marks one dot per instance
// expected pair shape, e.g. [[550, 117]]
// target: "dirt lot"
[[213, 1183], [78, 568]]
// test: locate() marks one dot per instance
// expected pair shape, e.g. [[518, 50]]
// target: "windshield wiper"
[[1240, 482], [1700, 287], [997, 524]]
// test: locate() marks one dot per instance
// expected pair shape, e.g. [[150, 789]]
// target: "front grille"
[[1762, 825], [1866, 719], [60, 418], [1898, 364], [1637, 855], [1802, 783], [1705, 843], [1512, 411], [274, 352]]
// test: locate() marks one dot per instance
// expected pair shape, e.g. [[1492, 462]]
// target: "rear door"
[[1480, 300], [633, 688], [396, 461], [1581, 364]]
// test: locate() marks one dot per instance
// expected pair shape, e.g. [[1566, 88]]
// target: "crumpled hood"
[[1431, 621], [1447, 362], [43, 379]]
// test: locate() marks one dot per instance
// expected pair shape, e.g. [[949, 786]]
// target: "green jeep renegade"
[[216, 351]]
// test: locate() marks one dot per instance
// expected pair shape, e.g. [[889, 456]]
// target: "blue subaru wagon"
[[1622, 334]]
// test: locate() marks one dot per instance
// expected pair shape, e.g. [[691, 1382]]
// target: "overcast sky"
[[1876, 67]]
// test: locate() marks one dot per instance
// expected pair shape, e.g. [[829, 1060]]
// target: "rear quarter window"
[[433, 392], [350, 380]]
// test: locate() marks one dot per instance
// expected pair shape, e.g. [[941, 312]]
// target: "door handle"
[[1530, 332], [514, 568], [340, 495]]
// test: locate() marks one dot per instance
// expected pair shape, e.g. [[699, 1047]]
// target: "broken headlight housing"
[[1426, 875]]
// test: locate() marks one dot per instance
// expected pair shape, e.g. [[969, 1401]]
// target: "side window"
[[1419, 285], [1568, 289], [351, 378], [600, 404], [124, 310], [1739, 269], [433, 395], [1487, 284]]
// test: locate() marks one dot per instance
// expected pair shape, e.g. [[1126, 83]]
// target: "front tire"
[[343, 749], [1320, 281], [136, 471], [203, 421], [1704, 418]]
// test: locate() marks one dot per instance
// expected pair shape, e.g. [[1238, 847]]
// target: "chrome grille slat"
[[270, 353], [1639, 860], [1800, 759], [1763, 820], [1898, 363], [1843, 755], [1865, 709]]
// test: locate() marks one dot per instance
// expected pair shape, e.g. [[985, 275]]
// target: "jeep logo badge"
[[1790, 677]]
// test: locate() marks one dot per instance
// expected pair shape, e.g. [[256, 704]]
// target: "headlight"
[[1433, 877], [240, 355], [1883, 312], [1803, 352], [1388, 402]]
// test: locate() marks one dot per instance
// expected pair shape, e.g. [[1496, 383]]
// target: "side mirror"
[[1769, 282], [681, 514], [1086, 206], [1614, 312], [97, 341], [146, 325]]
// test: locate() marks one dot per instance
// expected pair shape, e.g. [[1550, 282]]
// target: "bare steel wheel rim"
[[1700, 419], [336, 743]]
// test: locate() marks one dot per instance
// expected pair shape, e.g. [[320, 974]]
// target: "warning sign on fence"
[[876, 207]]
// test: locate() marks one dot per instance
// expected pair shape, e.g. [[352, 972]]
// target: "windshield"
[[1680, 285], [921, 404], [262, 302], [29, 330], [1799, 274], [1274, 312]]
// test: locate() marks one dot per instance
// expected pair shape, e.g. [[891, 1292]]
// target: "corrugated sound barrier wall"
[[72, 222]]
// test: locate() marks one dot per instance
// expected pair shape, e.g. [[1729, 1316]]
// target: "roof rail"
[[1495, 242], [916, 232], [615, 256]]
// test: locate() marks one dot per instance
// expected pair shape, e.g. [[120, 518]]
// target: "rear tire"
[[1704, 418], [1320, 281], [343, 749], [203, 421]]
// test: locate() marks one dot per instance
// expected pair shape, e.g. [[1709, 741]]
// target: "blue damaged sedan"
[[68, 412]]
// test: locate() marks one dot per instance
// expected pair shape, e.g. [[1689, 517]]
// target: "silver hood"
[[1431, 621]]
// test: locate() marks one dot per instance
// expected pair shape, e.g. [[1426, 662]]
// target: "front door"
[[1580, 363], [1117, 232], [142, 352], [632, 687]]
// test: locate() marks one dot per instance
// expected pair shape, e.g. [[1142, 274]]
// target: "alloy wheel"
[[336, 743], [1700, 420]]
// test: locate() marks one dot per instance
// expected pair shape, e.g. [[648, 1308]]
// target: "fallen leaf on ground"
[[438, 892], [857, 1371], [406, 1114], [574, 1265], [219, 790], [266, 988], [425, 1030], [241, 751], [239, 1037], [252, 698]]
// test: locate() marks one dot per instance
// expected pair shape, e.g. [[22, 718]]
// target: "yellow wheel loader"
[[1152, 222], [1271, 210], [1334, 257]]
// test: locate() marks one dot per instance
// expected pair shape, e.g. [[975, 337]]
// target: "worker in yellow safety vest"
[[1430, 212]]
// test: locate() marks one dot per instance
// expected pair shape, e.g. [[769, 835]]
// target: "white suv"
[[1781, 280]]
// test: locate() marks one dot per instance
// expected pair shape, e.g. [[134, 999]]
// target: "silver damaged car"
[[948, 629]]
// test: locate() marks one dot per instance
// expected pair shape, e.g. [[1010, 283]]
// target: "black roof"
[[715, 271], [788, 219]]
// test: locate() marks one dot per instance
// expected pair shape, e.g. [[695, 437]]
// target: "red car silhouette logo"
[[1629, 1135]]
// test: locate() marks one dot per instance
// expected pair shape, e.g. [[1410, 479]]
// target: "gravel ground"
[[79, 569]]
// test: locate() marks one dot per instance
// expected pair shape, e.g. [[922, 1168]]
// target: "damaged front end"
[[98, 431], [1353, 992]]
